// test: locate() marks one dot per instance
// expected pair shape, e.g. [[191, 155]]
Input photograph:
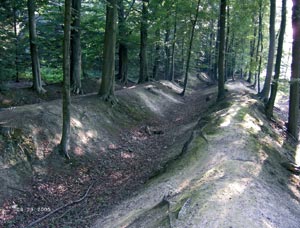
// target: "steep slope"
[[232, 174], [115, 148]]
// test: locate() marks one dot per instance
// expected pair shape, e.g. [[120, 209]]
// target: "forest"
[[149, 113]]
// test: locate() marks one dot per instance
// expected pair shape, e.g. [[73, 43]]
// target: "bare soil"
[[115, 151], [236, 172]]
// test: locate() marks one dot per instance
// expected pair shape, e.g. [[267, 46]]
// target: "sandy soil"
[[236, 179]]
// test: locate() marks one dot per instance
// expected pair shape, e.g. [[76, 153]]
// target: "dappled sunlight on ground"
[[232, 179], [297, 155]]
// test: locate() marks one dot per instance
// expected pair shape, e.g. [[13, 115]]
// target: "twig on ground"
[[60, 208], [17, 189]]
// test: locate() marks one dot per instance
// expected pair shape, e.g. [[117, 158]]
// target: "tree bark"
[[194, 22], [167, 51], [16, 41], [107, 86], [271, 102], [221, 86], [264, 95], [156, 55], [252, 51], [144, 43], [172, 73], [294, 84], [35, 62], [123, 48], [217, 48], [65, 140], [76, 48]]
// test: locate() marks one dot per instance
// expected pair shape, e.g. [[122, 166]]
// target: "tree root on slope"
[[60, 208]]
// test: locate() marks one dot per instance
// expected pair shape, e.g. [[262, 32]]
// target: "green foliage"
[[49, 75], [162, 15]]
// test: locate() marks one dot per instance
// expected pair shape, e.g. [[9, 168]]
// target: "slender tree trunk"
[[16, 42], [257, 53], [172, 76], [35, 62], [76, 48], [182, 55], [167, 51], [66, 129], [156, 54], [227, 42], [221, 86], [194, 22], [264, 95], [144, 43], [271, 102], [252, 51], [294, 85], [211, 53], [107, 86], [217, 48], [260, 37], [123, 48]]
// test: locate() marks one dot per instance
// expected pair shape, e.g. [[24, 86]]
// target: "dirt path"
[[127, 154], [237, 179]]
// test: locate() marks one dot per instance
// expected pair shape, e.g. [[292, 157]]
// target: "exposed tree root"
[[60, 208]]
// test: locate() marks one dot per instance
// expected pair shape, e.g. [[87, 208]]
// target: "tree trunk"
[[172, 73], [294, 84], [65, 140], [194, 22], [264, 95], [123, 49], [252, 51], [16, 42], [107, 86], [227, 44], [260, 37], [35, 62], [271, 102], [76, 48], [221, 86], [156, 54], [217, 48], [167, 51], [144, 40]]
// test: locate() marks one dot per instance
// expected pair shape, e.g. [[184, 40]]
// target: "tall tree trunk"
[[227, 44], [65, 140], [123, 48], [194, 22], [182, 55], [144, 43], [221, 86], [264, 95], [294, 85], [217, 48], [260, 38], [211, 54], [16, 41], [167, 51], [156, 54], [252, 51], [172, 73], [76, 48], [35, 62], [271, 102], [107, 86]]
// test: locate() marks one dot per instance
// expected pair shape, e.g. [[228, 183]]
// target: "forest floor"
[[152, 133], [238, 170], [20, 93], [132, 146]]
